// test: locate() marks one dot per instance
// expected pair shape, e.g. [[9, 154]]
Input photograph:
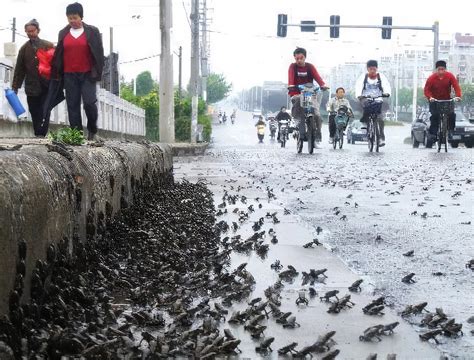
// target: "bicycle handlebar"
[[373, 97], [441, 101]]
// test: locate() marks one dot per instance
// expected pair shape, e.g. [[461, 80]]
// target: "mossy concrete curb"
[[46, 196]]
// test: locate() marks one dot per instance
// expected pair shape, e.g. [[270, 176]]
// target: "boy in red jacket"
[[438, 87]]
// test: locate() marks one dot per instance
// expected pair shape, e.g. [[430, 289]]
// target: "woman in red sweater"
[[79, 60], [439, 87]]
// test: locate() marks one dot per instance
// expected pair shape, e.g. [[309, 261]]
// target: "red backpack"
[[45, 56]]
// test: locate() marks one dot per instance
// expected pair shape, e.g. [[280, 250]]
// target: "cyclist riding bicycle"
[[439, 87], [373, 84], [299, 73], [333, 106], [283, 118]]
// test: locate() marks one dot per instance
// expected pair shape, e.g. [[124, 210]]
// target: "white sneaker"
[[382, 143], [331, 140], [318, 145]]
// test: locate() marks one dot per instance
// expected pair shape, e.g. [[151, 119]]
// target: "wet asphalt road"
[[372, 209]]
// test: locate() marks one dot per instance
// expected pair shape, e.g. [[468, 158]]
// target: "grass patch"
[[68, 136], [393, 123]]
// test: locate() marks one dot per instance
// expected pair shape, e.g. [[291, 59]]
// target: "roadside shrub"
[[68, 136]]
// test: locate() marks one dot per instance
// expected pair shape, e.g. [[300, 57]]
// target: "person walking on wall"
[[79, 59], [33, 67]]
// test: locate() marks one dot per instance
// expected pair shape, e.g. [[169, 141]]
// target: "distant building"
[[459, 53]]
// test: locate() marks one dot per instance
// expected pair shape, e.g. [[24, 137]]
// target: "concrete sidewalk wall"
[[45, 197]]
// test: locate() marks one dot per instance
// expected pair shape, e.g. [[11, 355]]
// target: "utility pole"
[[166, 119], [194, 68], [111, 77], [204, 66], [435, 42], [180, 79], [13, 29], [415, 86]]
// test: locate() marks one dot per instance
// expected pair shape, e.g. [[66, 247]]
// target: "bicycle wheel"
[[341, 139], [370, 134], [283, 139], [336, 139], [440, 132], [445, 132], [377, 135], [310, 134]]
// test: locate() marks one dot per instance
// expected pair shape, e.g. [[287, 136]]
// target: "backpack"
[[379, 82]]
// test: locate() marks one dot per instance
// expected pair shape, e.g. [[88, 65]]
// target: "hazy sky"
[[244, 45]]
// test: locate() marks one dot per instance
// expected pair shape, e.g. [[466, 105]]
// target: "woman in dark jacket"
[[79, 60], [26, 69]]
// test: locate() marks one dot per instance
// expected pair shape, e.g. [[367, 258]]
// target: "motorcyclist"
[[273, 124], [333, 105], [233, 115], [283, 118], [373, 84], [224, 117], [301, 72], [438, 87], [220, 117], [260, 125]]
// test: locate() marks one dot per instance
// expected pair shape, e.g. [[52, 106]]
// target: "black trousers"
[[434, 120], [35, 106], [79, 85]]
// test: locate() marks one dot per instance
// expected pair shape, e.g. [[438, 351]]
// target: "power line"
[[140, 59], [187, 15]]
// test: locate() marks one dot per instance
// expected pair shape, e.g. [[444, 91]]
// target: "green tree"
[[126, 93], [145, 83], [217, 88], [405, 98], [467, 94]]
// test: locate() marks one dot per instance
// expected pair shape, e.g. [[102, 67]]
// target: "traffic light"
[[282, 21], [387, 33], [334, 20], [308, 26]]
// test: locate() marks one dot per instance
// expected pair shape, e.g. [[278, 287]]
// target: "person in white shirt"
[[373, 84]]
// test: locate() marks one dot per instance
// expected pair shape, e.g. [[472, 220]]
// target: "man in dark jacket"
[[26, 69], [79, 60]]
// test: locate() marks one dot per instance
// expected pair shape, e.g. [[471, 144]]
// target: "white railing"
[[115, 114]]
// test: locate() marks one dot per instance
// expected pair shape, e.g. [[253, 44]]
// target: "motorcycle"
[[273, 129], [283, 133]]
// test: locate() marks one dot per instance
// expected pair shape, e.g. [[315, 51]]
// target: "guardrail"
[[115, 114]]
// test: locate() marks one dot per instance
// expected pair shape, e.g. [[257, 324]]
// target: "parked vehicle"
[[389, 116], [356, 131], [463, 132]]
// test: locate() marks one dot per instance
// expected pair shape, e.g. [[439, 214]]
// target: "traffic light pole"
[[434, 29]]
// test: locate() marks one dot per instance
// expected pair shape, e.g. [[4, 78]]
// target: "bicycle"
[[341, 119], [373, 107], [444, 107], [307, 92]]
